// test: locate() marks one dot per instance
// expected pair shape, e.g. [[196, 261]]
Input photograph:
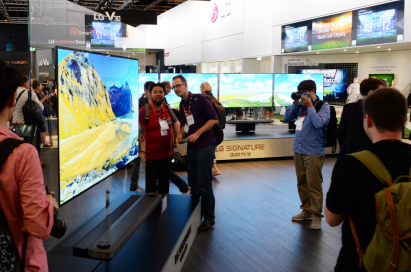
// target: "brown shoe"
[[206, 225]]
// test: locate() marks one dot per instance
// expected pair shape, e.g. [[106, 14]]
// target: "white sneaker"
[[315, 224]]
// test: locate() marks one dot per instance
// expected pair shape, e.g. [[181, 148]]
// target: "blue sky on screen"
[[126, 70], [287, 83], [246, 83]]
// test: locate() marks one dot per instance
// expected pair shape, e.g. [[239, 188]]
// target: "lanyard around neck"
[[188, 112], [162, 109]]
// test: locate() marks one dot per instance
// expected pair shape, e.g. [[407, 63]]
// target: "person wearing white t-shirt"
[[21, 96], [353, 91]]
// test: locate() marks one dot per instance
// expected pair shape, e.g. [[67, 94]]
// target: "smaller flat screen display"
[[143, 78], [193, 84], [332, 31], [379, 24], [387, 77], [286, 84], [246, 90], [296, 37], [335, 81], [106, 34]]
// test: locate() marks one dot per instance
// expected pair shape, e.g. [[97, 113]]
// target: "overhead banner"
[[129, 17]]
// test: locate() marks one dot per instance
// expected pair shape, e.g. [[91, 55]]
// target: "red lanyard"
[[188, 112], [162, 108]]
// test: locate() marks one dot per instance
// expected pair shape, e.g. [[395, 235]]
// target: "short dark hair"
[[371, 84], [148, 84], [24, 79], [35, 84], [387, 107], [182, 79], [307, 85], [157, 85], [10, 79]]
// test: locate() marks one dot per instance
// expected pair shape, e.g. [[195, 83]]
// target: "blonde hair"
[[207, 87]]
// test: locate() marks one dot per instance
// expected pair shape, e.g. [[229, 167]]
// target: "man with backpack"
[[158, 130], [367, 194], [198, 119], [312, 117]]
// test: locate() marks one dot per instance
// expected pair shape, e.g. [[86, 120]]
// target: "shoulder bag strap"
[[195, 97], [357, 242], [18, 97], [147, 107], [376, 167]]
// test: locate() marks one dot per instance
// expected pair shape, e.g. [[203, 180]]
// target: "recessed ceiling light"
[[389, 49], [378, 46], [318, 52], [345, 49], [357, 52]]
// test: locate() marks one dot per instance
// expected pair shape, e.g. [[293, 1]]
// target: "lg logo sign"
[[44, 62], [226, 10], [100, 17]]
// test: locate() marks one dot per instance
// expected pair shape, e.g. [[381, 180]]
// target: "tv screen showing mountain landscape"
[[246, 90], [98, 118]]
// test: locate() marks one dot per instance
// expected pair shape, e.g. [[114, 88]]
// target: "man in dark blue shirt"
[[309, 151], [197, 119]]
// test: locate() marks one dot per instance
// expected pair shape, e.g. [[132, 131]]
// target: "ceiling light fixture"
[[345, 49], [258, 58], [378, 46], [357, 52], [389, 49], [318, 52]]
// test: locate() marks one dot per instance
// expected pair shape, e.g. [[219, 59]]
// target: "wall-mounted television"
[[335, 81], [194, 81], [143, 78], [246, 90], [387, 77], [98, 118], [285, 84], [296, 37]]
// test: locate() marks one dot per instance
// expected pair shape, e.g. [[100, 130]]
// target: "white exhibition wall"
[[394, 62], [242, 28]]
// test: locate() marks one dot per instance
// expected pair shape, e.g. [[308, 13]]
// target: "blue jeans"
[[199, 171]]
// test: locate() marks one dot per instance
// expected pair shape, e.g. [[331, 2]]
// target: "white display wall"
[[242, 29]]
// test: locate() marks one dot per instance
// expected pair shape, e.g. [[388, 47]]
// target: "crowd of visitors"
[[373, 165]]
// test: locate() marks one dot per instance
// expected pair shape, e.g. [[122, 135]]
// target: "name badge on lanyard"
[[299, 123], [188, 113], [163, 127]]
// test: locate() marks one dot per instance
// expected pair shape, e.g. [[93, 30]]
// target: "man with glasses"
[[312, 116], [197, 118]]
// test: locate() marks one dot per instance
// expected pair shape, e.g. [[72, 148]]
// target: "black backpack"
[[9, 257], [330, 131], [217, 128], [29, 112]]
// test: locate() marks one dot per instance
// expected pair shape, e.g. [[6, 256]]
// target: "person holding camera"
[[30, 214], [312, 116]]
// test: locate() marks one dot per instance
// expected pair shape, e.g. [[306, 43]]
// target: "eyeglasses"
[[177, 86]]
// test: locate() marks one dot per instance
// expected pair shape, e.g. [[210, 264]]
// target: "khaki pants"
[[309, 183]]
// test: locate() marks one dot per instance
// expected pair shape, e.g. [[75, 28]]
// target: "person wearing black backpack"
[[207, 90], [312, 117], [198, 119], [27, 214]]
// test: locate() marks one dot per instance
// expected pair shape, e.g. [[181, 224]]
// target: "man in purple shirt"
[[197, 118]]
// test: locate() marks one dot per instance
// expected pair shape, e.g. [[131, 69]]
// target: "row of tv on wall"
[[366, 26], [258, 90], [98, 108]]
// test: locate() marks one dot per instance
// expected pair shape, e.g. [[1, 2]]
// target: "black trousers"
[[158, 170], [179, 182]]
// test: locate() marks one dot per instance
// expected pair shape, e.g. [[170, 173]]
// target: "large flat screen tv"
[[285, 84], [387, 77], [194, 81], [246, 90], [296, 37], [98, 118], [335, 81], [143, 78]]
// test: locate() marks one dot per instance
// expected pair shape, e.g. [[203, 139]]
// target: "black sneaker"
[[133, 186]]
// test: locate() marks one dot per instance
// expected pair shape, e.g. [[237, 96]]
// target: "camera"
[[59, 228], [297, 95]]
